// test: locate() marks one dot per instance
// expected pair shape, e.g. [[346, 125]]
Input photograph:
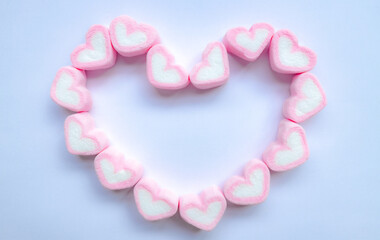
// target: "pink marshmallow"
[[306, 99], [153, 202], [248, 44], [114, 171], [253, 188], [289, 150], [130, 38], [286, 56], [214, 69], [205, 210], [82, 138], [162, 71], [97, 53], [69, 90]]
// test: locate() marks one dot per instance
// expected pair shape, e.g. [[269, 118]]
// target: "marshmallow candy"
[[214, 69], [289, 150], [130, 38], [161, 70], [114, 171], [253, 188], [97, 53], [205, 210], [69, 90], [306, 98], [248, 44], [153, 202], [82, 138], [286, 56]]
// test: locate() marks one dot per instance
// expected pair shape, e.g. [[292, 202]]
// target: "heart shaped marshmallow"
[[114, 172], [289, 150], [253, 188], [153, 202], [161, 70], [82, 138], [306, 99], [97, 53], [214, 69], [130, 38], [286, 56], [248, 45], [205, 210], [69, 90]]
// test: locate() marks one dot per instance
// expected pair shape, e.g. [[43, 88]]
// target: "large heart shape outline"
[[91, 134]]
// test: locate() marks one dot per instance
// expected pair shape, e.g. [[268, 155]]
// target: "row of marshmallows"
[[203, 211], [131, 39]]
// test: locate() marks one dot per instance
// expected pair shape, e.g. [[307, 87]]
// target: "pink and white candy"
[[253, 188], [69, 89], [97, 53], [154, 202], [248, 44], [306, 99], [130, 38], [213, 70], [114, 171], [286, 56], [162, 71], [205, 210], [289, 150], [82, 138]]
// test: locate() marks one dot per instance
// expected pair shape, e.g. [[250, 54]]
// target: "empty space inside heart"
[[189, 139]]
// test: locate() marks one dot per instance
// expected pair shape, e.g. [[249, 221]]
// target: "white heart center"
[[129, 40], [76, 141], [150, 207], [313, 98], [288, 57], [98, 42], [161, 74], [246, 40], [254, 189], [207, 217], [296, 151], [62, 90], [110, 174], [215, 69]]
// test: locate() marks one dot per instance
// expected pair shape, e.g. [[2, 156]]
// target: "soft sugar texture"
[[205, 210], [130, 38], [69, 90], [97, 53], [286, 56], [248, 44], [82, 138], [114, 171], [162, 71], [306, 99], [214, 69], [289, 150], [153, 202], [253, 188]]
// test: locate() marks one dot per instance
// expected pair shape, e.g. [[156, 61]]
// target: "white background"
[[190, 139]]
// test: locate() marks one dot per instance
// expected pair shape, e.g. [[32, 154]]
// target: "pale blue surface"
[[46, 193]]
